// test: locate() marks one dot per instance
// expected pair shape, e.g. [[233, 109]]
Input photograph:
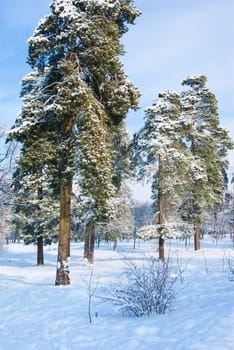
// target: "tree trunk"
[[115, 244], [161, 249], [63, 270], [160, 206], [86, 244], [89, 242], [40, 253], [197, 245]]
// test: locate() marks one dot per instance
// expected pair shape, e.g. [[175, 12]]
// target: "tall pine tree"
[[208, 144], [78, 96], [160, 152], [185, 151]]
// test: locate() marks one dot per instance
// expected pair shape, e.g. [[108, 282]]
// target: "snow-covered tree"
[[208, 144], [35, 210], [76, 97], [182, 139], [120, 224], [6, 163], [160, 152]]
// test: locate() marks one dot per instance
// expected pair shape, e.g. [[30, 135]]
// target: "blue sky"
[[171, 40]]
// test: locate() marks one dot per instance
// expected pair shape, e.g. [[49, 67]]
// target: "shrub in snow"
[[167, 230], [146, 289], [148, 232]]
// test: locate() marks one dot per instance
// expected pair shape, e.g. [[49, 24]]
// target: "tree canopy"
[[74, 101], [184, 149]]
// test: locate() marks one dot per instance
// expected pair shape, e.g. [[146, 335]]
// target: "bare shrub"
[[146, 289], [228, 265]]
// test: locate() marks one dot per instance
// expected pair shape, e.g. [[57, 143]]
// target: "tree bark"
[[86, 244], [160, 206], [197, 244], [89, 242], [161, 249], [63, 269], [115, 244], [40, 252]]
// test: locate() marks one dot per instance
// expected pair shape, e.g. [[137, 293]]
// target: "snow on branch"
[[167, 230]]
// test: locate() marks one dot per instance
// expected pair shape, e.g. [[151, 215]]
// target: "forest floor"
[[36, 315]]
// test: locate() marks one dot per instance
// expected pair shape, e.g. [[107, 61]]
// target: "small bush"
[[146, 289]]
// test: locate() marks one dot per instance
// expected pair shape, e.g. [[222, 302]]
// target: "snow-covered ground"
[[36, 315]]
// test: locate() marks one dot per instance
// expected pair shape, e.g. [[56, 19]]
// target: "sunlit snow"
[[36, 315]]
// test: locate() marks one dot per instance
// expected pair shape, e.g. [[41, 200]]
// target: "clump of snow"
[[37, 315]]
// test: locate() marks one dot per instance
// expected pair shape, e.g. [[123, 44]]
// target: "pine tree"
[[160, 152], [74, 99], [33, 204], [120, 223], [208, 144], [6, 195], [35, 210]]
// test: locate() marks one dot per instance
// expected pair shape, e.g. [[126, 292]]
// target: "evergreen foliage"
[[36, 211], [160, 152], [120, 224], [6, 195], [208, 144], [74, 101], [183, 148]]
